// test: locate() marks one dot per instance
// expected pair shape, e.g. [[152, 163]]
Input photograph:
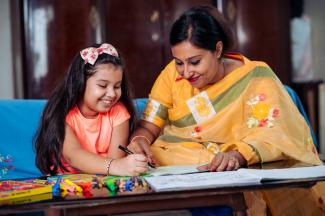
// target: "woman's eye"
[[102, 86], [196, 62], [117, 87], [179, 63]]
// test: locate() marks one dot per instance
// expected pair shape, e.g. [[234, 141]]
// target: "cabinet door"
[[140, 29], [263, 32], [54, 31], [134, 27]]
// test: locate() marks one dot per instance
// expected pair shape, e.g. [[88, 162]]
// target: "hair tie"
[[91, 54]]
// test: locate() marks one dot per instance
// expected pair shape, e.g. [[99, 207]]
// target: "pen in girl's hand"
[[127, 151]]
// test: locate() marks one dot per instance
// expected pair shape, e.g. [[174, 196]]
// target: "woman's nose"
[[187, 72]]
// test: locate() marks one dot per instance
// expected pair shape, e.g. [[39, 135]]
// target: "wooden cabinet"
[[262, 30], [55, 30]]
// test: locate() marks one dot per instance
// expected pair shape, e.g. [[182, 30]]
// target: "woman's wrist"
[[137, 137], [242, 161]]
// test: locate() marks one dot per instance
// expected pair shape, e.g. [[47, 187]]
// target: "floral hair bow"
[[91, 54]]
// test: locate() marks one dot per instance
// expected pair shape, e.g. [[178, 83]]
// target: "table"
[[153, 201]]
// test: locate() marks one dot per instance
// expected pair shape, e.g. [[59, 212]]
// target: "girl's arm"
[[89, 162], [119, 137]]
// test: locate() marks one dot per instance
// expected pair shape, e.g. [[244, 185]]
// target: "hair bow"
[[91, 54]]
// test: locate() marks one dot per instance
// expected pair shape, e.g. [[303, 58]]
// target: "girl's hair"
[[50, 135], [203, 26]]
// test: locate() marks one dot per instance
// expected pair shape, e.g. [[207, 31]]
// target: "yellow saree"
[[249, 111]]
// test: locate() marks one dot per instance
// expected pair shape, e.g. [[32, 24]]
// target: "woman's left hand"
[[225, 161]]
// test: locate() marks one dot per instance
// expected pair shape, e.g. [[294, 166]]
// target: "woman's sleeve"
[[160, 98], [272, 127]]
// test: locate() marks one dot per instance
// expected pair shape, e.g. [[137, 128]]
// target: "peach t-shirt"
[[95, 134]]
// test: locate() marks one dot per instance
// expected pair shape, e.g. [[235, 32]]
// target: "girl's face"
[[199, 66], [103, 90]]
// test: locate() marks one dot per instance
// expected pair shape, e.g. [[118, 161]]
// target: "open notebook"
[[187, 180]]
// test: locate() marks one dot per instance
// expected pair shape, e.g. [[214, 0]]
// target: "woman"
[[212, 107], [218, 107]]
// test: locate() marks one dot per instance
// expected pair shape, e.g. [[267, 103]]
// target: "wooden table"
[[153, 201]]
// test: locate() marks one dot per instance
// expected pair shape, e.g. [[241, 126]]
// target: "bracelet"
[[109, 165], [141, 136]]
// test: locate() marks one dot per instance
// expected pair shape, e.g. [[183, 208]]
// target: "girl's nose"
[[110, 93]]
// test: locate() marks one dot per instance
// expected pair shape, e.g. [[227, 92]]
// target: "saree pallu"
[[248, 110]]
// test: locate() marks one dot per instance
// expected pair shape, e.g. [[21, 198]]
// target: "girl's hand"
[[131, 165], [225, 161], [140, 145]]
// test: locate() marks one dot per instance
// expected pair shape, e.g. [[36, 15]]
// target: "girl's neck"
[[88, 114]]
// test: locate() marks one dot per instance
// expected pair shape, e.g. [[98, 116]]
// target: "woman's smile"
[[193, 79]]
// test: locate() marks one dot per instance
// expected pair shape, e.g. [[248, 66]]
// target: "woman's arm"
[[142, 138]]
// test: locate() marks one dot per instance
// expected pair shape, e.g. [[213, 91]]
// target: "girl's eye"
[[117, 87], [196, 62], [102, 86]]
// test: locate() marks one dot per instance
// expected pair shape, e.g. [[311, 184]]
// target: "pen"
[[127, 151]]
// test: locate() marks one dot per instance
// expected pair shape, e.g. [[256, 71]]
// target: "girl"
[[87, 117]]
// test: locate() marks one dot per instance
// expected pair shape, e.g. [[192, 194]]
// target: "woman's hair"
[[203, 26], [49, 138]]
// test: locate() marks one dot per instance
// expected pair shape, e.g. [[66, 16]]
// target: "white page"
[[174, 170], [201, 180], [287, 173]]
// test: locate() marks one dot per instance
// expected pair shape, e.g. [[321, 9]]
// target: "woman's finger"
[[231, 164], [215, 162], [223, 165]]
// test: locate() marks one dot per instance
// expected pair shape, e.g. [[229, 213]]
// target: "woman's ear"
[[219, 48]]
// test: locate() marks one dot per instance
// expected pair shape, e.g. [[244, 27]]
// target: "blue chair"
[[19, 120], [301, 109]]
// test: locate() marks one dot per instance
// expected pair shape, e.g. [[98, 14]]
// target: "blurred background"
[[39, 38]]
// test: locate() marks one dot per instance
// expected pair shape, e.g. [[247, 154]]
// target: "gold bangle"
[[141, 136], [109, 165]]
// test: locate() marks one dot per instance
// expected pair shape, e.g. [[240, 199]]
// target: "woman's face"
[[199, 66], [103, 90]]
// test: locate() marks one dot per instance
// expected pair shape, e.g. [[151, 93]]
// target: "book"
[[27, 199], [15, 189], [175, 170], [241, 177]]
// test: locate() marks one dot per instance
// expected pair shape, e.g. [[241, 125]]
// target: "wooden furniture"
[[153, 201], [52, 32], [309, 95]]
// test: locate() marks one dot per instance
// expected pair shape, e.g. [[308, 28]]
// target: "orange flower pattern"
[[262, 114]]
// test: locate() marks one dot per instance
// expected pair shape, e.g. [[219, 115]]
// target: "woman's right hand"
[[140, 145], [131, 165]]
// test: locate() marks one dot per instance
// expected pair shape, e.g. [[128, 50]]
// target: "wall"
[[315, 10], [6, 71]]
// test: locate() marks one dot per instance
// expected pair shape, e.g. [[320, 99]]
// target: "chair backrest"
[[301, 109], [19, 120]]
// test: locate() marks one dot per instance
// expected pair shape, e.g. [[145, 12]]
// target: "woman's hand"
[[131, 165], [140, 145], [225, 161]]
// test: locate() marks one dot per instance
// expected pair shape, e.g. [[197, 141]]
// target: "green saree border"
[[228, 96]]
